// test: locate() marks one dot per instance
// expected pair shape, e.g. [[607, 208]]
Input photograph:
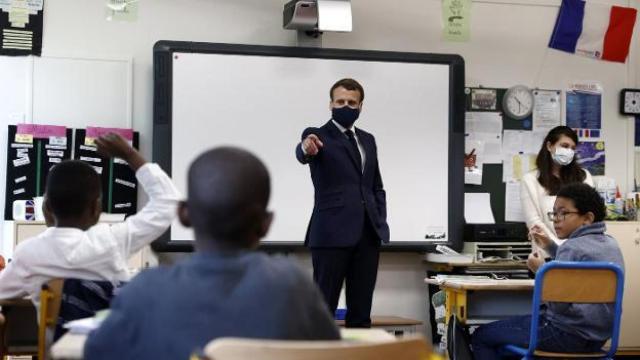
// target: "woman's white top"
[[536, 203]]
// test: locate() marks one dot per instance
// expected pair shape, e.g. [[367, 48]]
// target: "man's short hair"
[[72, 186], [228, 193], [585, 199], [349, 84]]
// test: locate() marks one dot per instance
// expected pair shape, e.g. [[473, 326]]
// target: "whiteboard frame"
[[162, 123]]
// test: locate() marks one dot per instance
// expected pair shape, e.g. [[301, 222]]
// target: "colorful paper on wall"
[[42, 131], [95, 132], [584, 108], [591, 156], [515, 166], [456, 16]]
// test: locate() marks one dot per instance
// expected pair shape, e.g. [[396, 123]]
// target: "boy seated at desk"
[[226, 288], [578, 216], [74, 245]]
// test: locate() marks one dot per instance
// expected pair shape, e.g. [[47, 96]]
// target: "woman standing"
[[557, 166]]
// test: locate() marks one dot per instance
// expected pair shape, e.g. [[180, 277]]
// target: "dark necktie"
[[354, 145]]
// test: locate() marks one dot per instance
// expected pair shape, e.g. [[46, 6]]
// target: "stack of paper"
[[86, 325]]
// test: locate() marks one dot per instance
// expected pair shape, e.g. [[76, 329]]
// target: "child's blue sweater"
[[590, 321]]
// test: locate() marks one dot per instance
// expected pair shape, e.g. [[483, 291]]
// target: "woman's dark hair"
[[569, 174], [585, 198]]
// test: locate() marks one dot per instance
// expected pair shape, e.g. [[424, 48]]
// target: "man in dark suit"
[[349, 215]]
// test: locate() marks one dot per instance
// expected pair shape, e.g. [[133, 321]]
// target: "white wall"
[[508, 46]]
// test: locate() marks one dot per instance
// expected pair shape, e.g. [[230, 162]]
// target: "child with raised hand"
[[75, 245]]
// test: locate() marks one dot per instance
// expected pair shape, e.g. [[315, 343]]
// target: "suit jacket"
[[172, 312], [344, 194]]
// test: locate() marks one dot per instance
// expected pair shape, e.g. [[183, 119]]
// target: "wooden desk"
[[393, 324], [459, 301]]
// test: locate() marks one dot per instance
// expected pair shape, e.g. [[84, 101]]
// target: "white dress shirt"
[[536, 203], [101, 252], [342, 129]]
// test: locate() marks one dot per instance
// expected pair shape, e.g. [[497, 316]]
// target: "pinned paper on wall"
[[92, 133], [125, 183], [456, 20], [477, 208], [21, 27], [19, 14], [487, 128], [484, 99], [584, 109], [515, 166], [473, 162], [522, 141], [513, 206], [118, 180], [591, 156], [546, 110], [56, 135]]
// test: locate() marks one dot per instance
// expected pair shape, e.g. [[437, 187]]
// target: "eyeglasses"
[[559, 216]]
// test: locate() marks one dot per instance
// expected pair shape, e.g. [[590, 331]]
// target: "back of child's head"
[[72, 189], [585, 199], [228, 193]]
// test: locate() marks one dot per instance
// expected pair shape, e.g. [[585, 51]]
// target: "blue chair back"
[[592, 292]]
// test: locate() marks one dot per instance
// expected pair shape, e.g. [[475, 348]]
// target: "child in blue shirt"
[[226, 288], [577, 216]]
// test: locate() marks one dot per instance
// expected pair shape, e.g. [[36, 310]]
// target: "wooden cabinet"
[[628, 236]]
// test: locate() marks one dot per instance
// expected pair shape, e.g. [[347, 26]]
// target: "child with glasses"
[[577, 215]]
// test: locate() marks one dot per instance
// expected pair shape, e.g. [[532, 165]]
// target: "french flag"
[[595, 30]]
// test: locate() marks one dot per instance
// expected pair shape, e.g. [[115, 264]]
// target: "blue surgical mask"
[[345, 116], [563, 156]]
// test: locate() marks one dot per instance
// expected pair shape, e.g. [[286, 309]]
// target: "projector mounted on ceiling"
[[317, 15]]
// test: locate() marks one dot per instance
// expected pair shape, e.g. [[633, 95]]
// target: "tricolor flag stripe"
[[617, 40], [594, 26], [595, 30], [568, 26]]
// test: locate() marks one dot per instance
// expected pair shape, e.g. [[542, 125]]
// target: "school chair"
[[63, 300], [18, 328], [50, 299], [412, 347], [564, 281]]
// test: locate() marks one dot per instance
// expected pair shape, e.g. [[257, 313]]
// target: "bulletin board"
[[56, 90], [492, 174], [28, 164], [119, 184]]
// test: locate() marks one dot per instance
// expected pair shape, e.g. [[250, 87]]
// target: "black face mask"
[[345, 116]]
